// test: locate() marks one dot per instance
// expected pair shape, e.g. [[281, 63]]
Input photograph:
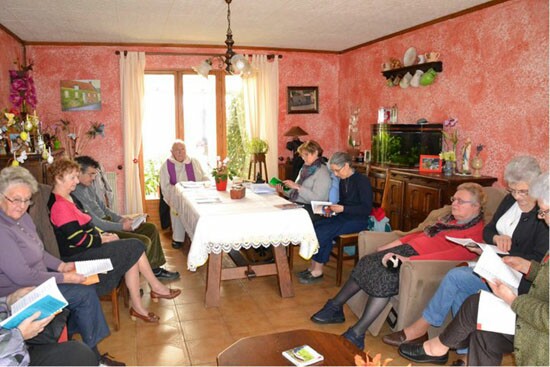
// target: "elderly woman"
[[24, 263], [381, 283], [313, 182], [179, 167], [350, 215], [530, 343], [78, 239], [14, 351], [514, 228]]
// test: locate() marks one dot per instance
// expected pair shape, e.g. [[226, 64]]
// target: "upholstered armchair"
[[418, 280]]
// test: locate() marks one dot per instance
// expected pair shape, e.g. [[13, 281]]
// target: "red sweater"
[[439, 248]]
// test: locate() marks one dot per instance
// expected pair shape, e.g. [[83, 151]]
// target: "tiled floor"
[[191, 334]]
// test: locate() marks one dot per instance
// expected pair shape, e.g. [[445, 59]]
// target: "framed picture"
[[430, 163], [303, 99], [80, 95]]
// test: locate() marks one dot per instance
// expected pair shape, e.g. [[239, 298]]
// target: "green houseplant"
[[257, 146]]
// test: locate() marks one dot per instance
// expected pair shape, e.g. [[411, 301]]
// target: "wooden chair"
[[113, 297]]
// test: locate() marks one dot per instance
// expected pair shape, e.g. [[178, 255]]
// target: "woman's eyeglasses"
[[19, 202], [518, 192], [459, 201]]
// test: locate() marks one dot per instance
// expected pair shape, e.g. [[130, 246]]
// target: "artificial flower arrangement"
[[222, 172], [75, 139], [450, 137]]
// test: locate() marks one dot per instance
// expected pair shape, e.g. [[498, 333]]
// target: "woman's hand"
[[291, 184], [30, 327], [17, 295], [503, 242], [474, 249], [66, 267], [126, 224], [502, 291], [73, 278], [390, 254], [517, 263], [280, 189], [336, 208], [389, 245], [108, 237]]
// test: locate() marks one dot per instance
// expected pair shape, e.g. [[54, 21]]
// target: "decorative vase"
[[448, 168], [477, 164], [221, 185]]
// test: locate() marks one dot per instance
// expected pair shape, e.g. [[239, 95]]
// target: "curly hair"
[[477, 192], [17, 176], [62, 166]]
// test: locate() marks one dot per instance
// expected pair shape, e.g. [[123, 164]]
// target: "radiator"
[[112, 197]]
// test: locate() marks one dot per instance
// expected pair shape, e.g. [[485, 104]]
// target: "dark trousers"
[[485, 348], [328, 229], [86, 316], [71, 353]]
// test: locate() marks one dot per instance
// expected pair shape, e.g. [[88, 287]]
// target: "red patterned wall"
[[10, 51]]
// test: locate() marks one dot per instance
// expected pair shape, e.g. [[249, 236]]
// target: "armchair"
[[418, 280]]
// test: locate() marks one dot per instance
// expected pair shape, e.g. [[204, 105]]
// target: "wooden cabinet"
[[285, 170], [37, 166]]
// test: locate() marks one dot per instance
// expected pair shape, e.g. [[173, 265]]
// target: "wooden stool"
[[259, 159]]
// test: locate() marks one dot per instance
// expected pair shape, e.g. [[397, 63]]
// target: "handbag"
[[52, 331]]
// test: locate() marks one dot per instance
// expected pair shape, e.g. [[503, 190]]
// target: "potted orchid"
[[450, 141]]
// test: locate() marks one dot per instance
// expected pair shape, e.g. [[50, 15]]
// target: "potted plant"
[[222, 173], [257, 146]]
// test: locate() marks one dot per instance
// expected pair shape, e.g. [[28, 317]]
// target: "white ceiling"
[[329, 25]]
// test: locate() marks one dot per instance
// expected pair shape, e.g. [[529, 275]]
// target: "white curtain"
[[261, 106], [132, 74]]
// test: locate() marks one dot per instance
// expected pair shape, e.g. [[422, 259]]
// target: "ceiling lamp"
[[230, 61]]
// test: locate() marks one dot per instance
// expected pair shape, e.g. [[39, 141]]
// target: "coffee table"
[[266, 350]]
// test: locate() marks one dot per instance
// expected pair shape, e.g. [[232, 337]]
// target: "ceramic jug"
[[432, 56], [415, 81], [428, 77], [405, 81]]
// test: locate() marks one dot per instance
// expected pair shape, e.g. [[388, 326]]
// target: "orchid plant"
[[222, 171], [450, 135]]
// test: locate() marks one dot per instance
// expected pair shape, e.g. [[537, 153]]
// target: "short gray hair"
[[522, 169], [340, 158], [539, 189], [17, 176]]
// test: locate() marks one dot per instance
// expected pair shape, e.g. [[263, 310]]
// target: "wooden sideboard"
[[37, 166], [411, 194]]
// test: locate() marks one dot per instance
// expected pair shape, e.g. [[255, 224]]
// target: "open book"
[[275, 181], [468, 242], [137, 220], [45, 298], [490, 266], [495, 315], [321, 207], [303, 355], [91, 268]]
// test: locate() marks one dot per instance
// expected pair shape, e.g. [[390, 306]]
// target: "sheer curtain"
[[132, 74], [261, 105]]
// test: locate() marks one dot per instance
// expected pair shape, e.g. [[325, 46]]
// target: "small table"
[[266, 350]]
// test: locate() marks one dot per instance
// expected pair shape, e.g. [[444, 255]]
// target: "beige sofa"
[[418, 280]]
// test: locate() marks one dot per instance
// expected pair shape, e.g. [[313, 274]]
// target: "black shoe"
[[357, 340], [329, 314], [107, 360], [164, 274], [310, 279], [177, 244], [303, 273], [416, 353]]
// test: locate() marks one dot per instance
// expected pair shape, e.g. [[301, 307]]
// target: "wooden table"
[[266, 350]]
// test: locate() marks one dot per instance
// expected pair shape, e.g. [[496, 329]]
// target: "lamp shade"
[[295, 131]]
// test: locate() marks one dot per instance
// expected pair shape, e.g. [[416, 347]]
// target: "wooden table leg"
[[213, 280], [283, 272]]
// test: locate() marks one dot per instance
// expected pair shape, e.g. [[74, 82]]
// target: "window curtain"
[[261, 106], [132, 75]]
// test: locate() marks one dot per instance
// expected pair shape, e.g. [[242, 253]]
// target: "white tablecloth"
[[227, 224]]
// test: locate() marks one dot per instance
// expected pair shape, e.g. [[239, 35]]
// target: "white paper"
[[490, 266], [136, 221], [317, 206], [495, 315], [262, 189], [91, 267], [468, 242], [191, 184]]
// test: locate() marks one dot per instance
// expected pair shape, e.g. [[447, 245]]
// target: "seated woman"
[[350, 215], [313, 182], [14, 352], [78, 239], [514, 228], [381, 283], [24, 263], [530, 343]]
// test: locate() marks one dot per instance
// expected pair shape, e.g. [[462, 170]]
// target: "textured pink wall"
[[11, 50], [494, 80]]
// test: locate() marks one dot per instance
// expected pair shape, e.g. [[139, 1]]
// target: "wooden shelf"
[[436, 65]]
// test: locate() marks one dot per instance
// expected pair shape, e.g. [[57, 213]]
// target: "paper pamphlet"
[[303, 355], [136, 221], [91, 267], [262, 189], [45, 298], [468, 242], [490, 266], [321, 207], [191, 184], [495, 315], [289, 206]]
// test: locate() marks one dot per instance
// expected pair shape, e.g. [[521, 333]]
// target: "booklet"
[[468, 242], [289, 206], [303, 355], [495, 315], [137, 220], [490, 266], [45, 298], [321, 207], [275, 181], [262, 189], [91, 267]]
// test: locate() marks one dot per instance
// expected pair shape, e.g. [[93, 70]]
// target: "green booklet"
[[275, 181], [303, 355]]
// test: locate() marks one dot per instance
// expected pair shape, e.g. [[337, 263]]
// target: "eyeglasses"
[[19, 202], [518, 192], [337, 170], [543, 213], [459, 201]]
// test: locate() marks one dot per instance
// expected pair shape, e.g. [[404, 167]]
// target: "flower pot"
[[477, 164], [221, 185]]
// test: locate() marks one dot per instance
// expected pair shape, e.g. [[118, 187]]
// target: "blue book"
[[45, 298]]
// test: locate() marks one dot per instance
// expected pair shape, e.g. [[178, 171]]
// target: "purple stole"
[[172, 172]]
